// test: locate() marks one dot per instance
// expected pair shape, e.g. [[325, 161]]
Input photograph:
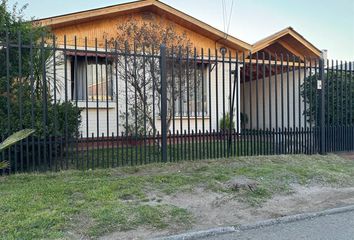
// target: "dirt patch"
[[221, 209], [307, 199], [347, 155], [211, 209], [82, 224]]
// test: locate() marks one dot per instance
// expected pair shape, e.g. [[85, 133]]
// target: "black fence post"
[[163, 103], [321, 86]]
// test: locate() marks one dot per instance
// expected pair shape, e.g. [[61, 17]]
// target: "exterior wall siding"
[[272, 89], [218, 99]]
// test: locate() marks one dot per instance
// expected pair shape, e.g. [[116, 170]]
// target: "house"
[[250, 85]]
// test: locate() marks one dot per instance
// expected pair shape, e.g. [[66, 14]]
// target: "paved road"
[[331, 227]]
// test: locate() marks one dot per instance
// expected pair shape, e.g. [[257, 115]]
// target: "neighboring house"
[[98, 23]]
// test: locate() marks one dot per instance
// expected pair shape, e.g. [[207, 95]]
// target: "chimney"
[[324, 56]]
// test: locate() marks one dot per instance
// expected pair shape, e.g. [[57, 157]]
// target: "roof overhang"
[[288, 40], [155, 6]]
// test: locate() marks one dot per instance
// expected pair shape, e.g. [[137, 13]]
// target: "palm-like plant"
[[11, 140], [3, 165]]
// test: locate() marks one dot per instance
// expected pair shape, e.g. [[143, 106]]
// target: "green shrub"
[[33, 114], [339, 99], [226, 124], [22, 92]]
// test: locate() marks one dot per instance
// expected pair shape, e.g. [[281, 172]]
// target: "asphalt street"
[[331, 227]]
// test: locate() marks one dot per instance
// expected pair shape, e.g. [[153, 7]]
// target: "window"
[[199, 100], [93, 81]]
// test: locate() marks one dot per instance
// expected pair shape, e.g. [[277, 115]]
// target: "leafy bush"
[[33, 114], [26, 89], [226, 124], [339, 97], [22, 90]]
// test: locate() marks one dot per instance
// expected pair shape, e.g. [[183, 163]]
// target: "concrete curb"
[[200, 234], [261, 224], [295, 218]]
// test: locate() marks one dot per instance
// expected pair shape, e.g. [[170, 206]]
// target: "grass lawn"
[[112, 155], [71, 203]]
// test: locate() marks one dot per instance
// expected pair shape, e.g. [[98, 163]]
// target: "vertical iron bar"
[[32, 100], [135, 74], [144, 96], [180, 97], [229, 150], [256, 147], [250, 143], [209, 93], [243, 129], [173, 96], [107, 86], [217, 103], [195, 103], [306, 144], [20, 94], [55, 104], [322, 108], [97, 105], [8, 91], [126, 97], [188, 110], [163, 103], [276, 105], [263, 105], [203, 100], [76, 97], [223, 128], [237, 76], [66, 102], [45, 107], [282, 102], [86, 101]]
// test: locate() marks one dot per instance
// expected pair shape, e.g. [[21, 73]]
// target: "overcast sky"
[[327, 24]]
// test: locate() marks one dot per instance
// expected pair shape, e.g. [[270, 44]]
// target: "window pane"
[[201, 95], [99, 81]]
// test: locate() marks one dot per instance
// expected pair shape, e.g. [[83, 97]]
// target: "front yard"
[[159, 199]]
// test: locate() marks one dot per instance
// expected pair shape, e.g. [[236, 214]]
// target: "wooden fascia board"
[[291, 49], [274, 38], [229, 40], [307, 44], [92, 14], [187, 20], [268, 41]]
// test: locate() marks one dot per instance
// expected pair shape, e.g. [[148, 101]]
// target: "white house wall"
[[243, 102], [89, 116], [272, 90]]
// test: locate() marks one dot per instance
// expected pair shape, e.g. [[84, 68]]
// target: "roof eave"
[[89, 15], [274, 37]]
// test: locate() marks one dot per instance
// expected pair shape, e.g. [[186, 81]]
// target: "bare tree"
[[138, 43]]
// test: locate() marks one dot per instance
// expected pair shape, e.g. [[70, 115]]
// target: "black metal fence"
[[111, 104]]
